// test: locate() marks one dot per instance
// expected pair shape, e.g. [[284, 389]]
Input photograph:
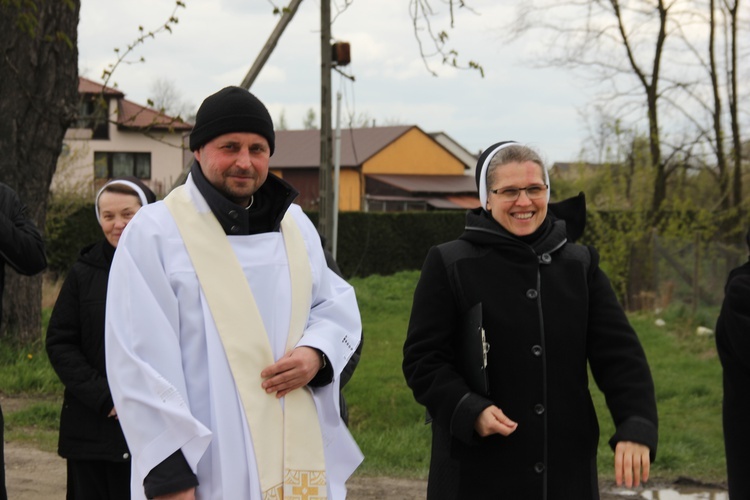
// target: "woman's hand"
[[492, 420], [632, 463]]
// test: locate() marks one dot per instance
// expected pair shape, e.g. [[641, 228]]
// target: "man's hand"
[[632, 463], [492, 420], [294, 370], [180, 495]]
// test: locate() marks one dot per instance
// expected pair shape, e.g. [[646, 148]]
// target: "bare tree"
[[38, 99], [165, 97], [732, 12], [281, 123], [655, 62], [432, 41], [702, 102], [309, 122], [614, 42]]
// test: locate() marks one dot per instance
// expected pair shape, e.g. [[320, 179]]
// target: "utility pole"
[[265, 53], [252, 74], [325, 177]]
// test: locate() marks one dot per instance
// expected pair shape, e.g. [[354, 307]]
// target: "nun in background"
[[90, 435], [548, 310]]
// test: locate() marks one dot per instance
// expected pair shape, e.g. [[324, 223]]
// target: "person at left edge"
[[226, 332], [91, 440], [22, 248]]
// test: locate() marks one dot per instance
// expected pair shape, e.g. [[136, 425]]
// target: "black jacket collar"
[[270, 203], [97, 254], [482, 229]]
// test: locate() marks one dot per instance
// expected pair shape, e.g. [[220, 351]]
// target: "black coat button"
[[532, 294], [536, 350], [539, 409], [546, 258], [233, 214], [234, 229], [539, 467]]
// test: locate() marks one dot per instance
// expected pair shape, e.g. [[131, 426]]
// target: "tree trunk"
[[38, 99]]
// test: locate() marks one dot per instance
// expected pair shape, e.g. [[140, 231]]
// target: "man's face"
[[236, 164]]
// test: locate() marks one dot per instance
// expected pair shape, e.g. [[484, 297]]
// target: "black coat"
[[733, 345], [21, 244], [547, 310], [75, 346]]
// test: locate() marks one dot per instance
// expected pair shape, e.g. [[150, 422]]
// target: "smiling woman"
[[547, 310], [520, 210]]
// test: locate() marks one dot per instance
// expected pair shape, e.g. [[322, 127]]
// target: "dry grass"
[[50, 289]]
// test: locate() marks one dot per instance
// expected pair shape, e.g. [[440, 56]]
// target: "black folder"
[[472, 351]]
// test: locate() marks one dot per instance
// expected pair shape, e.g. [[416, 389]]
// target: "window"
[[92, 114], [109, 165]]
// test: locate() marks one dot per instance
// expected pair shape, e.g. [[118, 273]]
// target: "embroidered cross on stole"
[[288, 443]]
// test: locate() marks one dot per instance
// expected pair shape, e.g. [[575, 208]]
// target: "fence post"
[[696, 272], [655, 264]]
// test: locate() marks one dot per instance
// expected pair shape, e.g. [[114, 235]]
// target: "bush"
[[71, 225]]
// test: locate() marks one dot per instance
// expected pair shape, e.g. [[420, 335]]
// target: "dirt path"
[[32, 474]]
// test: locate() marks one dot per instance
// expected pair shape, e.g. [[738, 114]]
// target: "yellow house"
[[381, 168]]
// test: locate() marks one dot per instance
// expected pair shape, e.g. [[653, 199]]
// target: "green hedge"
[[386, 243], [71, 225], [368, 243]]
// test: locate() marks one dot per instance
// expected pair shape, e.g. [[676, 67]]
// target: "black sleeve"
[[324, 375], [429, 357], [735, 318], [619, 366], [64, 350], [170, 476], [21, 244]]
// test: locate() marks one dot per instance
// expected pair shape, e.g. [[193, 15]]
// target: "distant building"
[[381, 169], [469, 159], [113, 137]]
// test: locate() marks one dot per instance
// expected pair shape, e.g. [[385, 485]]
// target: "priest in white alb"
[[226, 332]]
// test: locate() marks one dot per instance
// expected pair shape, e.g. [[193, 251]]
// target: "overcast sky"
[[216, 41]]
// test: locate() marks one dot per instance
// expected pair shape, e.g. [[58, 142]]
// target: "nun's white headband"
[[132, 185]]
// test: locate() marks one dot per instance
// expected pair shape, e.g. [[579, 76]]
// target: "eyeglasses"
[[511, 194]]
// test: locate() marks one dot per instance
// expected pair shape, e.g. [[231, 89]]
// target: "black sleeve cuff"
[[323, 377], [637, 430], [170, 476], [465, 416]]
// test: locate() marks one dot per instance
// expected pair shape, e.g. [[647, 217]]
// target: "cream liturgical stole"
[[288, 443]]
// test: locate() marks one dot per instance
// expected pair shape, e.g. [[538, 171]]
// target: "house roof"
[[469, 159], [131, 115], [301, 148], [431, 184], [86, 86]]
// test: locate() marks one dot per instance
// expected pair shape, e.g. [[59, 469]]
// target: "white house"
[[113, 137]]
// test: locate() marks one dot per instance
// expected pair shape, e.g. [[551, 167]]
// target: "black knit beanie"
[[232, 109]]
